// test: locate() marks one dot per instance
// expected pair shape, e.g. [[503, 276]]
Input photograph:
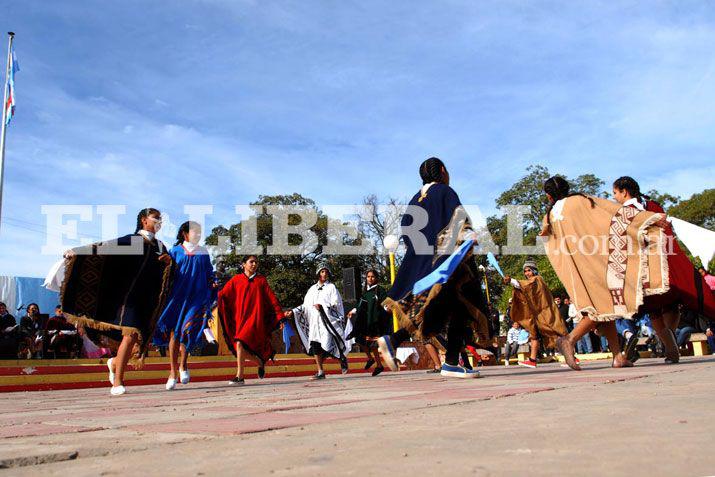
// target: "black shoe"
[[434, 371], [236, 382], [344, 365], [369, 363], [377, 370], [261, 372], [318, 376], [630, 351]]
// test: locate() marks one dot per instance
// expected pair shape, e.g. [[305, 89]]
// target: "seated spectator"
[[62, 337], [6, 319], [9, 332], [603, 342], [32, 332], [710, 333], [89, 348], [709, 278], [511, 348], [583, 346], [687, 326], [627, 329], [646, 330]]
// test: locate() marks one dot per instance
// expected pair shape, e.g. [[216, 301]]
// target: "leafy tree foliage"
[[290, 276]]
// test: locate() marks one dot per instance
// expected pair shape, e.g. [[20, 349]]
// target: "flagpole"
[[8, 65]]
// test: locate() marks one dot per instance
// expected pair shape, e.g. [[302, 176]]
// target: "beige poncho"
[[607, 256]]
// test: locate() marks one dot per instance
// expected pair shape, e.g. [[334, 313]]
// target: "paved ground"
[[650, 420]]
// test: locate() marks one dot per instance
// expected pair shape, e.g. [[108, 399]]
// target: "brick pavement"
[[364, 425]]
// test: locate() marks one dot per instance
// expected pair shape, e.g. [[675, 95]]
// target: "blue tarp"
[[29, 290]]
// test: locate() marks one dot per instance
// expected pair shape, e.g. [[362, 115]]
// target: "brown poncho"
[[534, 309], [117, 294], [607, 256]]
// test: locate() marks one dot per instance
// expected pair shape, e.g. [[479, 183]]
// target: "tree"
[[698, 210], [290, 275]]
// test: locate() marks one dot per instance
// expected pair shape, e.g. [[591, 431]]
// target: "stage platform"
[[50, 374]]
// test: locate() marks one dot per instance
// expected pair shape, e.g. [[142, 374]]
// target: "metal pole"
[[8, 65], [486, 286], [395, 324]]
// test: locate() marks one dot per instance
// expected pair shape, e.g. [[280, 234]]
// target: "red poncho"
[[249, 312], [687, 286]]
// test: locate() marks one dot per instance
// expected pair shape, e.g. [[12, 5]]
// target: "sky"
[[174, 103]]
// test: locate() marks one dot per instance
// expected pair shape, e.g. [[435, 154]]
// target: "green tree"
[[290, 276], [663, 198], [698, 210]]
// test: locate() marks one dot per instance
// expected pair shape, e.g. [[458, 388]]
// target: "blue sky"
[[215, 102]]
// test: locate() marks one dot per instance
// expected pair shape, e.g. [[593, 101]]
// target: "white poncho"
[[329, 329]]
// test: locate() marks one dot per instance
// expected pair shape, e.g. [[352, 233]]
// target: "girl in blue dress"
[[184, 319]]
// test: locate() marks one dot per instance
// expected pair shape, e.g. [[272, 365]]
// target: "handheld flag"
[[493, 262], [287, 333]]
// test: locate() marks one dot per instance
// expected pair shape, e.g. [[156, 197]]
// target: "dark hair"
[[558, 188], [184, 229], [144, 213], [3, 304], [33, 304], [431, 170], [629, 185], [330, 274], [374, 272], [245, 258]]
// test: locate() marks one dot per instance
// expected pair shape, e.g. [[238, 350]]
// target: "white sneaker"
[[506, 362], [170, 384], [184, 376], [111, 373], [387, 352], [117, 390]]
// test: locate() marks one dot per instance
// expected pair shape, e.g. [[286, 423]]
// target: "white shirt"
[[635, 203], [557, 210], [190, 247], [147, 235]]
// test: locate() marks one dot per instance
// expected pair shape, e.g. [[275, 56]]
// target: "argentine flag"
[[10, 93]]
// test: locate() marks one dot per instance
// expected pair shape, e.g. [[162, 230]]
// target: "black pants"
[[444, 311]]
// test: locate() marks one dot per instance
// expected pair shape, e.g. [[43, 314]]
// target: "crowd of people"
[[38, 335], [163, 297]]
